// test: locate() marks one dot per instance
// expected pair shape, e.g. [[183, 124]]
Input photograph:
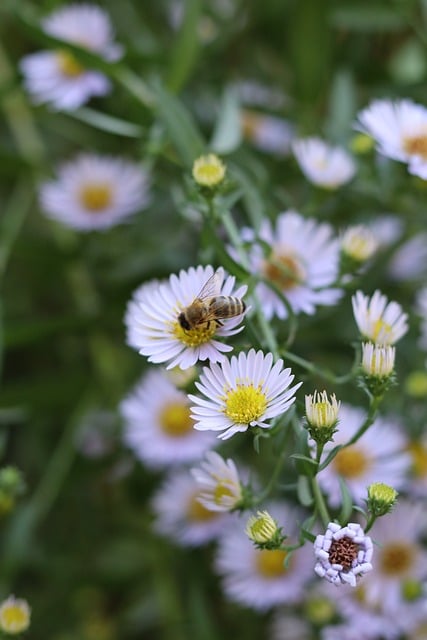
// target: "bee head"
[[183, 321]]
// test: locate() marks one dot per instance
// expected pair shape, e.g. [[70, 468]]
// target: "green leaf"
[[300, 456], [184, 52], [331, 455], [347, 503], [372, 17], [104, 122], [180, 125], [252, 198], [227, 135], [304, 493]]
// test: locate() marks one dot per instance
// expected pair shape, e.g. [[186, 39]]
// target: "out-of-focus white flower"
[[378, 360], [95, 192], [379, 455], [158, 425], [219, 483], [361, 629], [343, 553], [287, 626], [267, 133], [180, 515], [409, 262], [257, 94], [15, 615], [57, 77], [386, 229], [243, 392], [399, 128], [358, 243], [323, 164], [378, 320], [154, 329], [302, 262], [421, 308], [263, 578]]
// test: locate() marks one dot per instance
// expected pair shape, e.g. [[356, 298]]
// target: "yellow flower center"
[[381, 328], [419, 459], [175, 419], [96, 197], [245, 404], [221, 491], [195, 337], [68, 65], [416, 145], [351, 462], [285, 271], [396, 558], [14, 618], [197, 512], [271, 563]]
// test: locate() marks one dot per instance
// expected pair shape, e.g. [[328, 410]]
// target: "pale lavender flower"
[[323, 164]]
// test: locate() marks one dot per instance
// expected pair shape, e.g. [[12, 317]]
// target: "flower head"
[[95, 192], [15, 615], [378, 320], [321, 413], [323, 164], [181, 516], [358, 244], [57, 77], [263, 578], [343, 553], [158, 425], [378, 360], [156, 331], [264, 531], [299, 258], [209, 171], [381, 498], [266, 132], [243, 392], [400, 130], [219, 482]]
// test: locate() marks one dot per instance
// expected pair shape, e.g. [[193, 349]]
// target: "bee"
[[208, 306]]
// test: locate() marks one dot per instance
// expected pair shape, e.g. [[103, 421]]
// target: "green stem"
[[273, 480], [370, 522], [319, 502], [372, 414]]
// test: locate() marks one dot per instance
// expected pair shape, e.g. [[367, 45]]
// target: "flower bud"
[[264, 531], [381, 498], [208, 171], [322, 416]]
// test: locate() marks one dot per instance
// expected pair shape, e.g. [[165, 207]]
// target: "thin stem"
[[372, 414], [273, 480], [319, 502]]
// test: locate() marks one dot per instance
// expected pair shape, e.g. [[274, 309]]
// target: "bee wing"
[[211, 288]]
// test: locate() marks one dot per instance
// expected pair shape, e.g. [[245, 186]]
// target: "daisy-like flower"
[[95, 192], [400, 130], [180, 515], [154, 326], [321, 412], [15, 615], [267, 133], [323, 164], [399, 564], [343, 553], [358, 243], [142, 294], [303, 263], [378, 360], [57, 77], [379, 455], [263, 578], [243, 392], [378, 320], [158, 425], [219, 482]]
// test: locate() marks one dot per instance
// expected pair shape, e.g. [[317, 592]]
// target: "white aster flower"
[[378, 320], [219, 483], [400, 130], [360, 629], [267, 133], [323, 164], [154, 328], [179, 514], [386, 229], [320, 410], [343, 553], [158, 425], [142, 294], [379, 455], [399, 562], [378, 360], [94, 192], [243, 392], [358, 243], [57, 77], [409, 262], [15, 615], [303, 263], [262, 579]]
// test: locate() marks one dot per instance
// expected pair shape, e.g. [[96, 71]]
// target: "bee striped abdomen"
[[226, 306]]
